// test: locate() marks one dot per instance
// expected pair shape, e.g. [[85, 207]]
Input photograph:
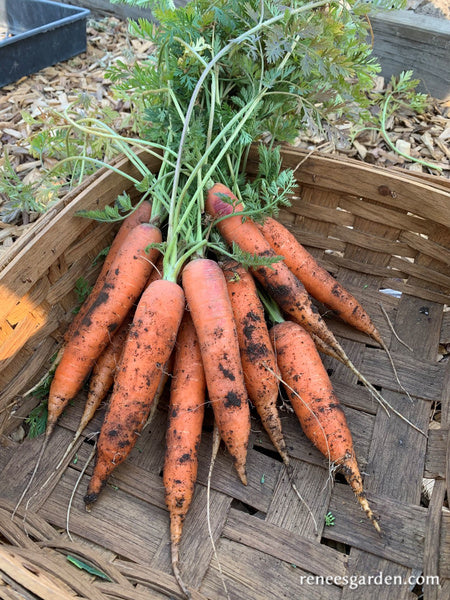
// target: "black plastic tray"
[[38, 33]]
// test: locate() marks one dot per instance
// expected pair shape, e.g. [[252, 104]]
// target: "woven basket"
[[386, 236]]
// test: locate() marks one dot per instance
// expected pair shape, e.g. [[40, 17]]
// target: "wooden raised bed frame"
[[374, 229]]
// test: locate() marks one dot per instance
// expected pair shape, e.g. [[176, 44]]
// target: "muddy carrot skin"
[[124, 283], [142, 214], [279, 282], [258, 358], [147, 349], [207, 297], [316, 405], [317, 281], [184, 428], [103, 372]]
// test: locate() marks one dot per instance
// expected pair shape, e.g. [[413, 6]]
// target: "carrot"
[[317, 281], [258, 359], [207, 297], [322, 285], [122, 285], [147, 348], [141, 214], [125, 280], [281, 284], [186, 410], [314, 401], [102, 377]]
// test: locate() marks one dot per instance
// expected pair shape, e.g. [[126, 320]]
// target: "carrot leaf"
[[254, 260], [37, 419], [83, 565]]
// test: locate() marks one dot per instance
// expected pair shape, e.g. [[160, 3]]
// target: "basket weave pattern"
[[376, 231]]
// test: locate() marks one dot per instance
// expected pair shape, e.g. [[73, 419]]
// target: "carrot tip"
[[242, 473], [176, 571], [89, 500], [49, 428], [366, 508], [351, 472]]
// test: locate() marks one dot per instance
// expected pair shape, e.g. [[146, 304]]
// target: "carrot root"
[[207, 297], [316, 404], [148, 347], [350, 469]]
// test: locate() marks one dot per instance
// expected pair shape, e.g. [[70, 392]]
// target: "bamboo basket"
[[386, 236]]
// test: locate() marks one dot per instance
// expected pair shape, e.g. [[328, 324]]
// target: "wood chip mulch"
[[425, 136]]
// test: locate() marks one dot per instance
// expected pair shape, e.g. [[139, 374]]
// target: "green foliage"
[[284, 67], [329, 519], [122, 208], [37, 419], [82, 290], [312, 63], [254, 260], [272, 187], [21, 197], [402, 92], [88, 567]]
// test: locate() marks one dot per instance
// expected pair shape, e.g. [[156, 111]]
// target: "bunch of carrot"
[[208, 317], [192, 286]]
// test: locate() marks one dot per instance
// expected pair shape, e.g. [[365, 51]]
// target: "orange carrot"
[[166, 373], [147, 349], [126, 278], [102, 377], [280, 283], [186, 410], [317, 281], [313, 399], [207, 297], [101, 380], [142, 214], [258, 359]]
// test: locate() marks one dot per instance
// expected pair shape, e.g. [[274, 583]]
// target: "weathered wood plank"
[[444, 589], [396, 218], [384, 581], [435, 458], [404, 40], [403, 527], [445, 329], [262, 474], [428, 247], [154, 580], [303, 517], [195, 551], [396, 463], [432, 535], [126, 525], [23, 462], [420, 377], [396, 459], [258, 576], [287, 545], [41, 576], [444, 545], [369, 182]]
